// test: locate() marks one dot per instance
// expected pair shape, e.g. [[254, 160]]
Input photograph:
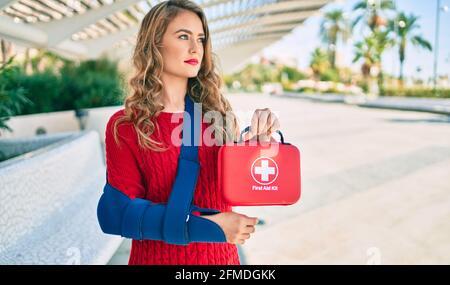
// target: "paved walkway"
[[431, 105], [375, 186]]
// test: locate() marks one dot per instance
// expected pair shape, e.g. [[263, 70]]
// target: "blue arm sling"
[[172, 222]]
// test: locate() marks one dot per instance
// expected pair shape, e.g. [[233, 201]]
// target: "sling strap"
[[180, 200]]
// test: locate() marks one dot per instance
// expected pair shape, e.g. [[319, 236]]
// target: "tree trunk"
[[402, 61], [333, 53], [26, 61], [401, 74], [332, 56], [3, 47], [380, 82]]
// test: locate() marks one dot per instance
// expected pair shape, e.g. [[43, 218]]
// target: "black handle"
[[248, 128]]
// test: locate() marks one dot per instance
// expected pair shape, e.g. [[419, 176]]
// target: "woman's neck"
[[174, 91]]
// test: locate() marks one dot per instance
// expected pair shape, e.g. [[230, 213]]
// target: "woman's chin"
[[192, 74]]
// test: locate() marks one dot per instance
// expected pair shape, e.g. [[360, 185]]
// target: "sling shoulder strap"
[[188, 168]]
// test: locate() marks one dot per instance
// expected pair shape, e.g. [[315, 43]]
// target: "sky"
[[304, 39]]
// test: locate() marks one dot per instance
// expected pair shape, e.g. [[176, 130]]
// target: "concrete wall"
[[48, 201], [56, 122]]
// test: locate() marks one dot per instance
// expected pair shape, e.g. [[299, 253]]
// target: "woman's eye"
[[203, 40]]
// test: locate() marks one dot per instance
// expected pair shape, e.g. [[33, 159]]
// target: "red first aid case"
[[259, 174]]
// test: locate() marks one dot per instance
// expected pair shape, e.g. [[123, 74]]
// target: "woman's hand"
[[237, 227], [264, 123]]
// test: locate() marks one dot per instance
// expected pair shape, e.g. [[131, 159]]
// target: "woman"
[[173, 59]]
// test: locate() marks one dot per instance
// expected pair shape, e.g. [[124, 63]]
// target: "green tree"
[[333, 27], [90, 84], [372, 10], [371, 50], [292, 74], [12, 95], [319, 62], [43, 89], [404, 28]]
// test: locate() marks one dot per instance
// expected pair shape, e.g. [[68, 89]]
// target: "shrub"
[[89, 84], [330, 75], [43, 89], [93, 83], [418, 92], [12, 95]]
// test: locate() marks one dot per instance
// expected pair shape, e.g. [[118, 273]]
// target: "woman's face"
[[182, 41]]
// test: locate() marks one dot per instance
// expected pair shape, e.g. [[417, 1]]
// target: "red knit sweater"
[[150, 175]]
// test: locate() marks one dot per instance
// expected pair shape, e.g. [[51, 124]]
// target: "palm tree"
[[371, 49], [403, 27], [372, 10], [365, 50], [334, 25], [319, 62]]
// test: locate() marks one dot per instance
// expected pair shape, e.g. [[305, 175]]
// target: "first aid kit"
[[253, 173]]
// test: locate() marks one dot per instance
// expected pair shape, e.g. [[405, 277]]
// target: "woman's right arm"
[[122, 209]]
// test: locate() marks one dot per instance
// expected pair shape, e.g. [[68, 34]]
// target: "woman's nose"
[[194, 47]]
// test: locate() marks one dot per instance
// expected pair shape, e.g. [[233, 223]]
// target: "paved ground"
[[431, 105], [375, 187]]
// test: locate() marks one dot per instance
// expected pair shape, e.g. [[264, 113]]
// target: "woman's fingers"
[[245, 236], [270, 119], [246, 228], [274, 126], [250, 221], [264, 122], [242, 238], [254, 124], [249, 229]]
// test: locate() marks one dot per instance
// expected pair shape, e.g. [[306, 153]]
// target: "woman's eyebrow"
[[187, 31]]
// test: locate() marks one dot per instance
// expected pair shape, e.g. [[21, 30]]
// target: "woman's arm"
[[142, 219], [122, 209]]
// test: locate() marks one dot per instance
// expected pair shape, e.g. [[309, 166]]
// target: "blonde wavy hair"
[[141, 104]]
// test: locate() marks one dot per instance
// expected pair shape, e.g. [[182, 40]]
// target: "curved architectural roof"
[[88, 28]]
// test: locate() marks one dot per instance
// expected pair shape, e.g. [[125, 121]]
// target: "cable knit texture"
[[150, 175]]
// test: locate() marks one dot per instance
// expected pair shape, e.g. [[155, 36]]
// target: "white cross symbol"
[[264, 170]]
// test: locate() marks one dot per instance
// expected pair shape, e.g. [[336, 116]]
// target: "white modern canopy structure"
[[88, 28]]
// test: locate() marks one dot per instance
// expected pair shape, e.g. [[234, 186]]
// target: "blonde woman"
[[173, 59]]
